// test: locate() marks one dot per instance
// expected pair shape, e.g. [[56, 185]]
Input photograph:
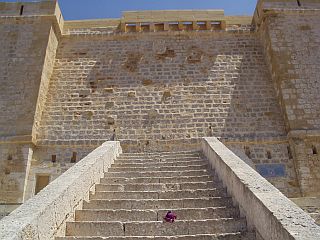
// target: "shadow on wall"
[[153, 90]]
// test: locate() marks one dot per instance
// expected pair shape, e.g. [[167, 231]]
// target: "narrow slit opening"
[[41, 182], [314, 150], [269, 155], [53, 158], [74, 157], [289, 152], [21, 10], [247, 151], [299, 3]]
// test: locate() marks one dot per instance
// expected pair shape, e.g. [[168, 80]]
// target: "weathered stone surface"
[[42, 216], [266, 209]]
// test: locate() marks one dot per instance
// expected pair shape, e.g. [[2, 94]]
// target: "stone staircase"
[[138, 190]]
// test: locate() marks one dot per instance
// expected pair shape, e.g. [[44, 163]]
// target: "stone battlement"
[[160, 21]]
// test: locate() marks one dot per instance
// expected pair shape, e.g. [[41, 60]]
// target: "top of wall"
[[48, 8], [131, 21], [172, 16], [27, 8], [268, 6]]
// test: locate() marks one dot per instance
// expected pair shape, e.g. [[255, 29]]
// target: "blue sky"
[[90, 9]]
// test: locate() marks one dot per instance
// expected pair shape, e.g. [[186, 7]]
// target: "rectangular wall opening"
[[202, 25], [159, 27], [131, 27], [145, 27], [173, 26], [188, 26], [299, 3], [21, 10], [74, 157], [41, 182], [216, 25]]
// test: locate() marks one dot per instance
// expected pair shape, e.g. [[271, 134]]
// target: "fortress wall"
[[270, 159], [23, 46], [52, 161], [29, 8], [45, 79], [294, 49], [160, 87], [28, 44], [14, 158], [164, 91], [291, 42]]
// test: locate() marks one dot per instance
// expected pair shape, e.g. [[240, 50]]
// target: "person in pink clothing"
[[170, 217]]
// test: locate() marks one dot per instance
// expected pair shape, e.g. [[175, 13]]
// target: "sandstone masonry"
[[159, 81]]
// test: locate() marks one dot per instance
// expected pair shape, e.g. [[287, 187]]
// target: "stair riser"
[[155, 228], [153, 215], [157, 160], [156, 187], [160, 195], [156, 174], [119, 163], [162, 156], [157, 204], [123, 180], [230, 236], [155, 169]]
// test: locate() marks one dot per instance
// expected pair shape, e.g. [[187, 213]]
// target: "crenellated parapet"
[[161, 21], [151, 21]]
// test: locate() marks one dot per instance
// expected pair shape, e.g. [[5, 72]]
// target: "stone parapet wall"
[[27, 8], [267, 210], [45, 215]]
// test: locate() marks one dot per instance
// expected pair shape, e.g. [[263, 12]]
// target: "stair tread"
[[160, 221], [135, 194], [155, 210], [221, 236]]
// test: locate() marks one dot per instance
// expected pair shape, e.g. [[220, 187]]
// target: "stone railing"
[[44, 216], [266, 209]]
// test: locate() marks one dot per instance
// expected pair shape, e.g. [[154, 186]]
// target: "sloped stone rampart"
[[45, 215], [267, 210]]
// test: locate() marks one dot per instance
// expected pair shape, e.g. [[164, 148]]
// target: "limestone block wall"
[[52, 161], [164, 91], [290, 37], [29, 39], [13, 165], [273, 160], [295, 49], [23, 47], [160, 87], [28, 8], [45, 79]]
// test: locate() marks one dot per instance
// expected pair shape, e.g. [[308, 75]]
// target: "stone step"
[[119, 163], [155, 215], [157, 186], [157, 159], [225, 236], [158, 203], [156, 168], [176, 194], [156, 228], [163, 154], [136, 180], [158, 173]]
